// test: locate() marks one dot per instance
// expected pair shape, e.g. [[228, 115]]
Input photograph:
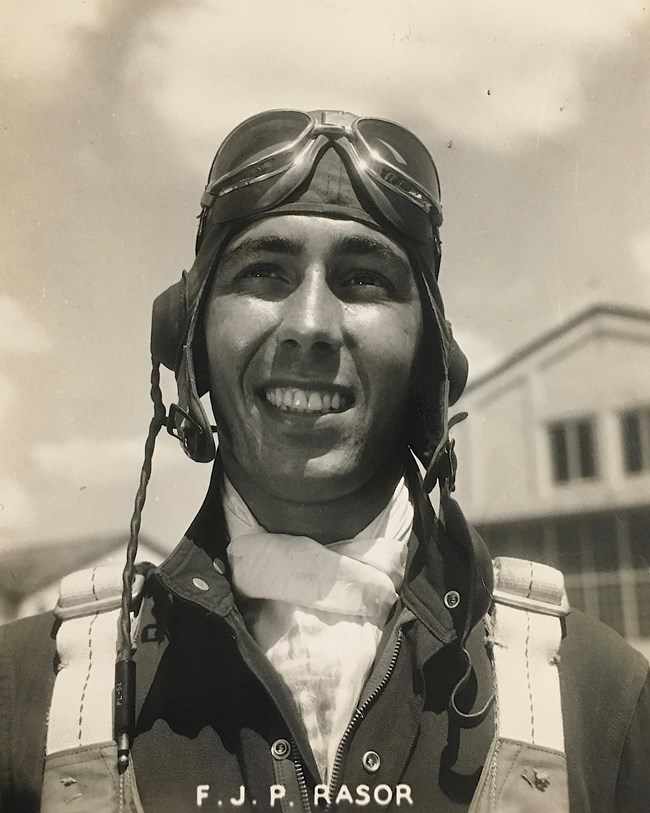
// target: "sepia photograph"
[[325, 386]]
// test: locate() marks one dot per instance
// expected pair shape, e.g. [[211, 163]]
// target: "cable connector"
[[124, 725]]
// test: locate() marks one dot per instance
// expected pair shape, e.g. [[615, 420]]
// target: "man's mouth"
[[315, 402]]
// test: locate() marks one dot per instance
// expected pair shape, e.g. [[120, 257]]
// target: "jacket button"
[[371, 761], [452, 599], [219, 566], [200, 584], [280, 749]]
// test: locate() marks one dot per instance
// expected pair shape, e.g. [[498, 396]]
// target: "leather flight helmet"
[[322, 176]]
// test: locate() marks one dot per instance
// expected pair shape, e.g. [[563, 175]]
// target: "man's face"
[[312, 326]]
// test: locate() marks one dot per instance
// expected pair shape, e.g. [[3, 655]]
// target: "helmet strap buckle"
[[182, 426], [444, 463]]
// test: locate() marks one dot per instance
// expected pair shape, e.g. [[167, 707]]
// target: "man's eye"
[[260, 271], [368, 279]]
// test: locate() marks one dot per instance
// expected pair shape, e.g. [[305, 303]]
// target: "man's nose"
[[312, 316]]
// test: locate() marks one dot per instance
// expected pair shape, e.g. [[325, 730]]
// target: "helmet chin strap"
[[188, 420], [443, 464]]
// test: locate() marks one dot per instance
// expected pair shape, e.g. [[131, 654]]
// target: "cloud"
[[486, 73], [640, 248], [102, 462], [481, 353], [7, 394], [20, 332], [15, 510], [38, 38]]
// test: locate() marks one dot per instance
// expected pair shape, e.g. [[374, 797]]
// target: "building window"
[[573, 450], [643, 603], [605, 558], [606, 563], [639, 539], [635, 431]]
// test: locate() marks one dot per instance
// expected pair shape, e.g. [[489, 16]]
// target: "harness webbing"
[[89, 609], [526, 768]]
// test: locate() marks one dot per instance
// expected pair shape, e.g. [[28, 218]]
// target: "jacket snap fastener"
[[219, 566], [200, 584], [280, 749], [452, 599], [371, 761]]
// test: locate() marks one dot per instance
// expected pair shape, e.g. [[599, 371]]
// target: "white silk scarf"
[[318, 612]]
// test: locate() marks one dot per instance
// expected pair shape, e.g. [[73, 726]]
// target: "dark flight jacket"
[[216, 725]]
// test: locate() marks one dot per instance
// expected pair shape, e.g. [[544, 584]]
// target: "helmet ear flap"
[[169, 324], [187, 420]]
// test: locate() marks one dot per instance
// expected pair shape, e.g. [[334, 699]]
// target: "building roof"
[[26, 570], [592, 312]]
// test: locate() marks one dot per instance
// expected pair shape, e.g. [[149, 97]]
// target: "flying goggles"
[[267, 157]]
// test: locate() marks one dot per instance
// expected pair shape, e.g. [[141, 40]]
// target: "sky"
[[111, 111]]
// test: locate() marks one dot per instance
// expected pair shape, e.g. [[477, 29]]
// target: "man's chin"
[[319, 479]]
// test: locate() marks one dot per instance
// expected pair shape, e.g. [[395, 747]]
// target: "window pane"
[[643, 608], [568, 546], [640, 539], [631, 431], [586, 449], [610, 606], [559, 453], [602, 532]]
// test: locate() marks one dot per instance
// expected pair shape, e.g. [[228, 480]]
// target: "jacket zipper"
[[300, 776], [356, 718]]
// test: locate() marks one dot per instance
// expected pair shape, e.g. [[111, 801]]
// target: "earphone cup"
[[168, 325]]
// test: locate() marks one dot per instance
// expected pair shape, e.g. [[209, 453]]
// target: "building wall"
[[596, 529], [505, 466]]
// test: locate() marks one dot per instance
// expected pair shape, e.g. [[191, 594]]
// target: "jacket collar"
[[197, 570]]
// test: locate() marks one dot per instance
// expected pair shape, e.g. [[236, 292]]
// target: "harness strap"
[[526, 636], [526, 766], [81, 755], [89, 608]]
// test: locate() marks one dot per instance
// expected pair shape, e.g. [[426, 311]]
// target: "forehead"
[[311, 234]]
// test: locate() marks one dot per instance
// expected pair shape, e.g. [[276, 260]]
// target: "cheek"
[[235, 333], [392, 346]]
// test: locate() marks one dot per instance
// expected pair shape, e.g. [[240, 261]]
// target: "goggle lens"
[[260, 137], [400, 148], [263, 160]]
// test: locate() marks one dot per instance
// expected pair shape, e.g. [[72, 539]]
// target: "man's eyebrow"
[[364, 245], [272, 243]]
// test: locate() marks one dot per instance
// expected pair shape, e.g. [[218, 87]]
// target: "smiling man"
[[311, 335], [320, 639]]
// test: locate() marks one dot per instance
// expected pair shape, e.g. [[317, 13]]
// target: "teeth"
[[290, 398], [315, 403]]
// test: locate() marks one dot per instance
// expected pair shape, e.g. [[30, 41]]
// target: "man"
[[318, 638]]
